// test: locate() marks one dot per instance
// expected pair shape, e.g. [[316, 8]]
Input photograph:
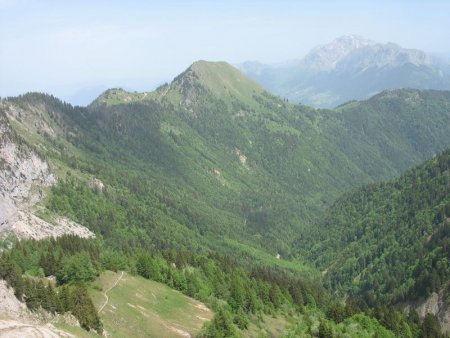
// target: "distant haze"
[[350, 68], [76, 49]]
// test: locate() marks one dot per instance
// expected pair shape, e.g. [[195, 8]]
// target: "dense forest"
[[252, 168], [389, 241], [233, 291], [230, 195]]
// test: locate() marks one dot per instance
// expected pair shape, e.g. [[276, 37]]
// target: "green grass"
[[75, 330], [270, 326], [229, 245], [226, 81], [118, 96], [139, 307]]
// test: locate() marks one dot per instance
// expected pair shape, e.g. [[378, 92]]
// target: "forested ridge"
[[389, 241], [221, 190], [253, 168], [236, 293]]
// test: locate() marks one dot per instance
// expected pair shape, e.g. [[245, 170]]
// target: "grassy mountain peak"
[[206, 83], [219, 79], [115, 96]]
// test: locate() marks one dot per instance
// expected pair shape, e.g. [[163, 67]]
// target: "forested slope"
[[203, 182], [212, 156], [388, 241]]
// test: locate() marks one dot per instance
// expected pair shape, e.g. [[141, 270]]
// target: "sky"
[[76, 49]]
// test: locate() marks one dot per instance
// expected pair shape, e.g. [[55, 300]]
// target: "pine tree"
[[64, 298], [83, 309], [54, 305], [431, 328], [221, 326], [241, 319], [325, 331], [10, 273], [42, 295], [30, 294], [336, 312]]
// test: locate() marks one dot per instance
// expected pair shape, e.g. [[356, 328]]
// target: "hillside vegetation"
[[389, 241], [140, 307], [195, 161], [219, 190]]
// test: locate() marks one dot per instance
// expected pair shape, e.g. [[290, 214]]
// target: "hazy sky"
[[76, 48]]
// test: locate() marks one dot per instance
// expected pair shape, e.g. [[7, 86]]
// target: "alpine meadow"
[[217, 205]]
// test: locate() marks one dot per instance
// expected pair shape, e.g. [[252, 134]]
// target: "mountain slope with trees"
[[213, 155], [388, 242], [206, 183]]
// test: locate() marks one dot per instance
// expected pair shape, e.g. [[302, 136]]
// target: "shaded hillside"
[[388, 241], [212, 160], [204, 185], [392, 131]]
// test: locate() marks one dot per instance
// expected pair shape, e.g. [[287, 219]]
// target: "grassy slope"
[[75, 330], [140, 307], [183, 145], [270, 326], [224, 80]]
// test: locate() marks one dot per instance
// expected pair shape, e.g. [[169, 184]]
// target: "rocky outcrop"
[[28, 225], [96, 184], [25, 177], [9, 304], [437, 304], [17, 321]]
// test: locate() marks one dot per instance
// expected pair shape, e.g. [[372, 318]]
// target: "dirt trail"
[[106, 295], [17, 322], [10, 328]]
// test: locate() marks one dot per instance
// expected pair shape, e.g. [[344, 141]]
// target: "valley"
[[227, 211]]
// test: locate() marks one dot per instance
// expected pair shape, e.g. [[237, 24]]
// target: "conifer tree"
[[83, 309]]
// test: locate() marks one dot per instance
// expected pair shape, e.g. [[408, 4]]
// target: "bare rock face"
[[9, 304], [17, 321], [96, 184], [24, 179], [435, 304], [31, 226], [23, 170], [326, 57]]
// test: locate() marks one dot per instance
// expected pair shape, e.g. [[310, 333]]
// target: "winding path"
[[105, 293]]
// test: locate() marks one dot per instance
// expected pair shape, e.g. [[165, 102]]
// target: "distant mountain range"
[[350, 68]]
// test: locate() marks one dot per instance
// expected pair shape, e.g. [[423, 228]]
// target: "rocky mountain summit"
[[357, 53], [350, 68], [327, 57]]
